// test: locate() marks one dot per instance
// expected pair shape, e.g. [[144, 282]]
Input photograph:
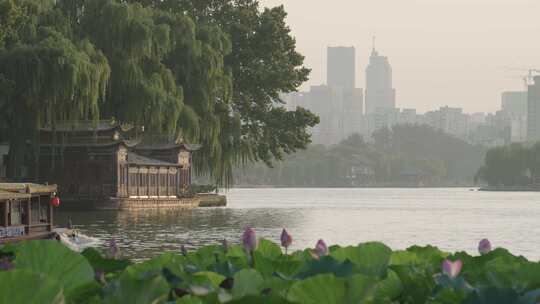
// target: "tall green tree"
[[50, 77], [208, 71], [264, 63]]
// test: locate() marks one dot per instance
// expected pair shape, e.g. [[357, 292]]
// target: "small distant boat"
[[75, 240]]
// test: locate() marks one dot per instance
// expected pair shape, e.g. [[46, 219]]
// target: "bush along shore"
[[259, 271]]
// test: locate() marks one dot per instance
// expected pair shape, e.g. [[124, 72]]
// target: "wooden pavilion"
[[108, 166]]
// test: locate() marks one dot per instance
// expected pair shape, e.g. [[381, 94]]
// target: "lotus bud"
[[5, 264], [249, 240], [114, 251], [183, 250], [321, 249], [99, 275], [484, 246], [452, 269], [286, 239], [225, 245]]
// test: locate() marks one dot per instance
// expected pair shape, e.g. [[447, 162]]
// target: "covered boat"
[[26, 211]]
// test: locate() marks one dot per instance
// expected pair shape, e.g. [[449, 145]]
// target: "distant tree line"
[[210, 71], [512, 165], [411, 155]]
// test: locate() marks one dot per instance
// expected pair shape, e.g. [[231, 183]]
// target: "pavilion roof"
[[27, 188], [136, 159]]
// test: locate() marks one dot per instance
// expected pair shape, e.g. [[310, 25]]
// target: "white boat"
[[75, 240]]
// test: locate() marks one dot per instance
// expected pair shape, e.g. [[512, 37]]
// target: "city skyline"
[[435, 61]]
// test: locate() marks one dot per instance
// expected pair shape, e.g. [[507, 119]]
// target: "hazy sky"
[[443, 52]]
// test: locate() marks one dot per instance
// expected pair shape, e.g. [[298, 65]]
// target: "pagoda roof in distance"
[[164, 142]]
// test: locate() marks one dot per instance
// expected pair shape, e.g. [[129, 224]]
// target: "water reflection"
[[453, 219], [142, 234]]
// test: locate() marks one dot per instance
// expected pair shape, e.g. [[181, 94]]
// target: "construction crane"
[[529, 78]]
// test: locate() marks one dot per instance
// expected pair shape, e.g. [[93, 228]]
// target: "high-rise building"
[[379, 90], [340, 70], [327, 102], [514, 103], [353, 110], [514, 116], [533, 111]]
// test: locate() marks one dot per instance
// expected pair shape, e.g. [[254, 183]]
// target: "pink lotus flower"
[[249, 240], [452, 269], [286, 239], [484, 246], [321, 249]]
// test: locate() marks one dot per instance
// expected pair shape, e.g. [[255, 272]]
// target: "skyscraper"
[[514, 103], [514, 112], [379, 91], [341, 67], [533, 111]]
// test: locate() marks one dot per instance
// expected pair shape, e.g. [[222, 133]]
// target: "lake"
[[451, 218]]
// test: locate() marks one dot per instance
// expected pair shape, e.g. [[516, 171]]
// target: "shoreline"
[[476, 187], [510, 189]]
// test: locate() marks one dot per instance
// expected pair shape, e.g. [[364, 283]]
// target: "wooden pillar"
[[139, 177], [128, 185], [50, 216], [29, 214], [6, 207], [158, 182], [168, 180], [178, 177]]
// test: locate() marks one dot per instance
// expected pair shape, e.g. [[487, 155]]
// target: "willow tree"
[[51, 78], [263, 63], [168, 75], [143, 90]]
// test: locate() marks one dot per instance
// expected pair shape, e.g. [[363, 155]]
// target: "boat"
[[26, 211], [75, 240]]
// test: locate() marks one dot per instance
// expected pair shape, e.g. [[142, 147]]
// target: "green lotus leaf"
[[448, 296], [327, 264], [98, 262], [247, 282], [277, 286], [287, 265], [418, 283], [493, 295], [237, 257], [189, 300], [390, 288], [429, 255], [360, 288], [151, 288], [173, 262], [369, 258], [403, 257], [54, 260], [323, 288], [268, 249], [207, 256], [21, 286], [260, 299], [212, 277]]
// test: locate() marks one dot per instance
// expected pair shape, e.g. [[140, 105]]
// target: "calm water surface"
[[452, 219]]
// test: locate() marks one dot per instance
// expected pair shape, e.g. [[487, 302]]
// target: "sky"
[[459, 53]]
